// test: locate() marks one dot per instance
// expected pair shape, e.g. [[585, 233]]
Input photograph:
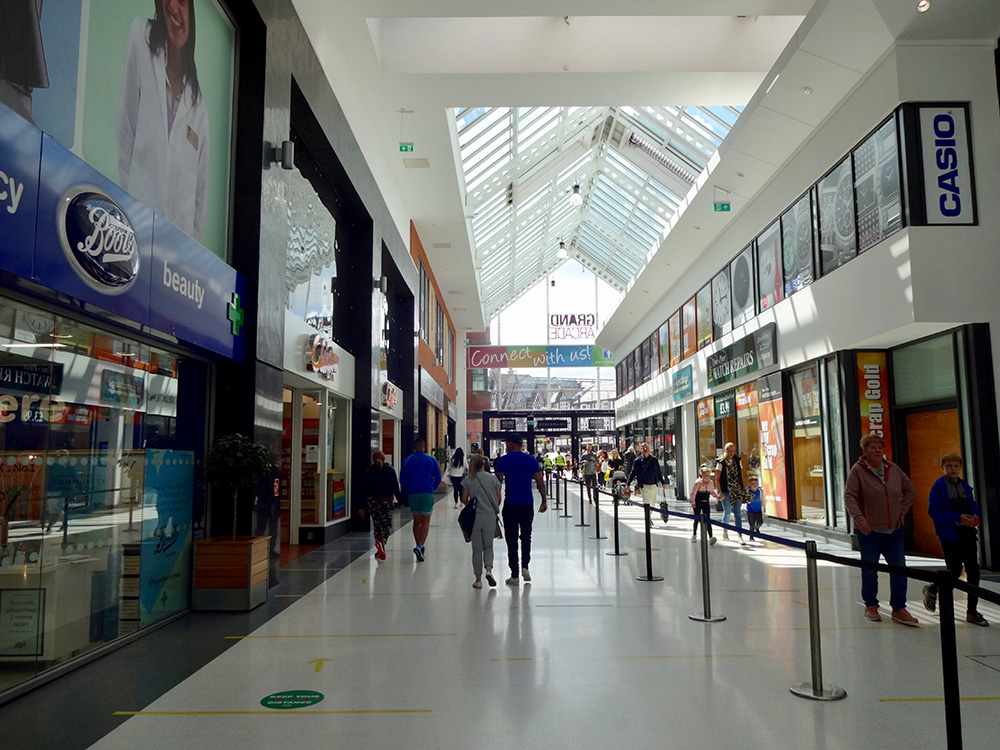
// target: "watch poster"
[[636, 369], [741, 280], [837, 243], [629, 372], [876, 186], [690, 329], [664, 336], [770, 412], [675, 338], [703, 305], [645, 372], [770, 281], [722, 316], [797, 245]]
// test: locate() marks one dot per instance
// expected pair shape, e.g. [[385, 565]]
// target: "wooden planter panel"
[[230, 573]]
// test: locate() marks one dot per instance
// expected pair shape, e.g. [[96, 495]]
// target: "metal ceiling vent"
[[643, 145]]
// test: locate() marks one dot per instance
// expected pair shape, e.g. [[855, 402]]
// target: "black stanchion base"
[[651, 549], [649, 578], [700, 617], [616, 554], [830, 692], [596, 537], [581, 524]]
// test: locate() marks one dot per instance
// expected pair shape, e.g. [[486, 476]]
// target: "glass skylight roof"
[[633, 166]]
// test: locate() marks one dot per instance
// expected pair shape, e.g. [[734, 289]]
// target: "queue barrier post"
[[949, 660], [583, 515], [614, 503], [649, 551], [706, 586], [565, 513], [597, 513], [815, 689]]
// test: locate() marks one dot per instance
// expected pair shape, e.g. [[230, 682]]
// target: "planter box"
[[230, 574]]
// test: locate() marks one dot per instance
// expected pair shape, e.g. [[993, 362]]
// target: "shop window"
[[807, 445], [706, 432], [424, 303], [451, 356], [439, 332], [834, 433], [770, 409], [924, 372], [480, 380], [748, 429], [310, 256]]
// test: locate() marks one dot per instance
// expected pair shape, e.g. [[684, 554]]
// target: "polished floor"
[[399, 653]]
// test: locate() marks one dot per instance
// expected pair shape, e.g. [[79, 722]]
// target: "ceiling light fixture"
[[807, 90], [576, 198], [561, 253], [923, 6]]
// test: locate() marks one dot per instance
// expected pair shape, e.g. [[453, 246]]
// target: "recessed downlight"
[[923, 6]]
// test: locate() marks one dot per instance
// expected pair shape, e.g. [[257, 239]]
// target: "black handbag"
[[467, 518]]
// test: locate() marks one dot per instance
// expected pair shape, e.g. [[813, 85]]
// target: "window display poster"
[[876, 186], [630, 372], [722, 317], [797, 245], [165, 569], [690, 328], [636, 369], [772, 446], [664, 336], [770, 281], [837, 241], [22, 622], [703, 307], [645, 370], [654, 352], [104, 101], [741, 284], [873, 392], [675, 338]]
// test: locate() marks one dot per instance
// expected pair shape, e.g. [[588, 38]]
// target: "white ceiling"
[[428, 56]]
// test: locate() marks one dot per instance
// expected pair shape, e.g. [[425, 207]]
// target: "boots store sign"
[[65, 226]]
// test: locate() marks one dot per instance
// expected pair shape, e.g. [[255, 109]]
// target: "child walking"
[[701, 501], [755, 508]]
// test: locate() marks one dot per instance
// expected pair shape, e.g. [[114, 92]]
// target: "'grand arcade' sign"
[[579, 326]]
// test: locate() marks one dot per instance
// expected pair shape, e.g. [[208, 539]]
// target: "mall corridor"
[[399, 653]]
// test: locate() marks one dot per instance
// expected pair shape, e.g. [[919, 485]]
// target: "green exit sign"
[[720, 207], [406, 147]]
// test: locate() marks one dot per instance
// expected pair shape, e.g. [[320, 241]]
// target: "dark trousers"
[[517, 523], [456, 487], [890, 546], [590, 482], [756, 520], [702, 508], [963, 553]]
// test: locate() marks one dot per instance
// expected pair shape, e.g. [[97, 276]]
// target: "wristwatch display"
[[741, 280], [876, 187], [837, 242], [721, 306], [797, 245], [769, 256]]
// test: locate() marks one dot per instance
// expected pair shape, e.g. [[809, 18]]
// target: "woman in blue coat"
[[953, 509]]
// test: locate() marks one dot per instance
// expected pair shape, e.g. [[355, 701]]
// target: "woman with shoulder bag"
[[731, 490], [486, 489]]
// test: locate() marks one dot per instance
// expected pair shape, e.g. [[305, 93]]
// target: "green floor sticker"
[[292, 699]]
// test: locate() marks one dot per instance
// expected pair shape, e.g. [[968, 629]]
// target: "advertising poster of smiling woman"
[[142, 90]]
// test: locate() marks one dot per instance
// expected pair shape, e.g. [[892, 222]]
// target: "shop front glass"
[[807, 445], [748, 430], [706, 432], [836, 458], [97, 493], [666, 449]]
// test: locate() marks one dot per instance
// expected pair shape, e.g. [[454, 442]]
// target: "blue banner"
[[165, 571], [20, 157], [683, 383]]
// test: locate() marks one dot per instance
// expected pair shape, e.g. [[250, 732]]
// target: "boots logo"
[[98, 239]]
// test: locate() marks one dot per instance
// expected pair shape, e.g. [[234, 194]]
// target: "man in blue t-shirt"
[[516, 470], [419, 476]]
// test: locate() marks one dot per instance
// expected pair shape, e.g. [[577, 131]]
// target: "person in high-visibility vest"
[[560, 463], [547, 465]]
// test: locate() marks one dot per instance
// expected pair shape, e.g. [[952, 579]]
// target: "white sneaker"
[[694, 539], [525, 575], [512, 581], [477, 584], [711, 540]]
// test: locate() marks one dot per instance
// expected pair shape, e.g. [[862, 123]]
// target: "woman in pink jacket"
[[878, 496]]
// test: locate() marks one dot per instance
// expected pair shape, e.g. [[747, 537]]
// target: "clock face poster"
[[704, 310], [770, 280], [741, 281], [876, 186], [722, 316], [837, 240], [797, 245]]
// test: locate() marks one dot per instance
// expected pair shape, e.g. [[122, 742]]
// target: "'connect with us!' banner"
[[539, 356]]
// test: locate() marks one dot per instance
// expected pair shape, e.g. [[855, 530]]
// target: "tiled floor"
[[409, 654]]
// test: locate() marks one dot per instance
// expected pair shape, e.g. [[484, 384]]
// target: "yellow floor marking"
[[612, 658], [273, 712], [345, 635], [801, 604], [932, 700], [300, 596], [310, 570]]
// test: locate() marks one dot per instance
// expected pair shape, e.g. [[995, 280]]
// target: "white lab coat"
[[166, 172]]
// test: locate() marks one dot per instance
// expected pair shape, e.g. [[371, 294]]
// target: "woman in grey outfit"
[[486, 489]]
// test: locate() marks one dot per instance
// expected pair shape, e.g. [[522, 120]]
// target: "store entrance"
[[929, 435]]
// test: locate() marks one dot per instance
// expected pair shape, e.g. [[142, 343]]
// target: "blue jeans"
[[727, 509], [889, 546]]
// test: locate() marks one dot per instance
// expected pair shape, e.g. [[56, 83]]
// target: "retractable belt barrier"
[[815, 689]]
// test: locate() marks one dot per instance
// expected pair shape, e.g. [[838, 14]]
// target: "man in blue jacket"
[[953, 509], [419, 476]]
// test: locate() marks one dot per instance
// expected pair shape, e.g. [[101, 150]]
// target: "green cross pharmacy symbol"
[[163, 599], [235, 313]]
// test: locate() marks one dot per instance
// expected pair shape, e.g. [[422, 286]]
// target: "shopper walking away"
[[646, 473], [602, 468], [701, 501], [486, 489], [878, 495], [730, 489], [589, 463], [382, 490], [420, 475], [953, 509], [755, 508], [456, 472], [517, 470]]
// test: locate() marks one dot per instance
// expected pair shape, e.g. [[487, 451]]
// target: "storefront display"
[[770, 411], [705, 412], [807, 445], [747, 428]]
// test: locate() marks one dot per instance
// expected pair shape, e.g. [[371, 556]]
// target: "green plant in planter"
[[441, 454], [235, 462]]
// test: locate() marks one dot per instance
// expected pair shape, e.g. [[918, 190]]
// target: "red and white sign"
[[873, 393], [321, 356], [390, 396]]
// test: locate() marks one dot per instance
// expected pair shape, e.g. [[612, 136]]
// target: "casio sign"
[[98, 239], [321, 357], [947, 170]]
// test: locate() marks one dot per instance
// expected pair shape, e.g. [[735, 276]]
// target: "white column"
[[461, 391]]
